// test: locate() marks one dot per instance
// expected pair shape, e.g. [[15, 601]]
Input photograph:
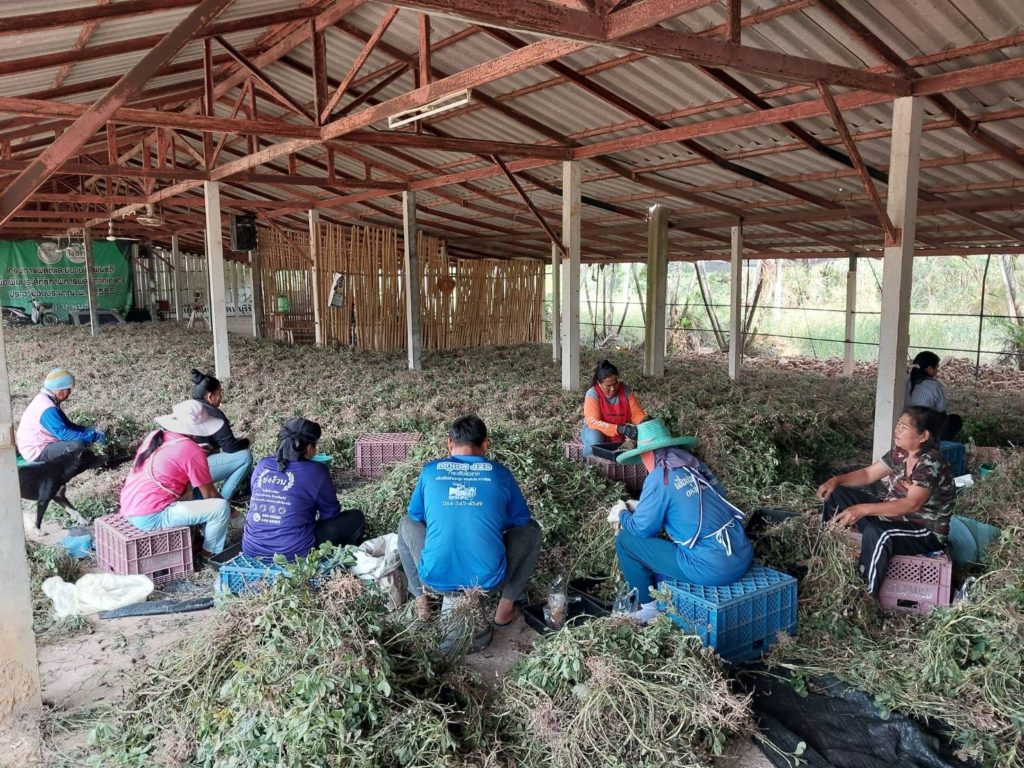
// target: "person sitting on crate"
[[468, 527], [229, 457], [925, 391], [913, 518], [610, 409], [704, 539], [294, 507], [47, 436], [168, 465]]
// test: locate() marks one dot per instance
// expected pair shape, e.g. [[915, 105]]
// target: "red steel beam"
[[481, 74], [648, 13], [20, 24], [555, 239], [279, 94], [29, 180], [892, 234], [424, 49], [535, 16], [360, 59]]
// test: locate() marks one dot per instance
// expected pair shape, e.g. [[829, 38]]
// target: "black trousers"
[[67, 450], [882, 538], [346, 528]]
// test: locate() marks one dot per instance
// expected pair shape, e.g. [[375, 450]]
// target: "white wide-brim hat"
[[189, 417]]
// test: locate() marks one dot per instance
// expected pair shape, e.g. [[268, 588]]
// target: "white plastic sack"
[[378, 560], [96, 592]]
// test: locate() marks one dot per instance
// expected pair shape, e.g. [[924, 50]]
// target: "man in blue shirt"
[[468, 527]]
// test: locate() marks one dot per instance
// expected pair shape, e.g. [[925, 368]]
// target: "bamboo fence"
[[493, 301]]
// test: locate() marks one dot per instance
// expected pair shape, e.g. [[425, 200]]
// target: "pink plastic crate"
[[917, 583], [123, 549], [376, 450], [914, 583], [631, 475]]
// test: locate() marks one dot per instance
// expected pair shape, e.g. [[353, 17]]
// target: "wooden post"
[[257, 294], [176, 276], [736, 304], [897, 270], [19, 670], [851, 316], [556, 325], [314, 256], [571, 204], [215, 264], [412, 277], [657, 292], [90, 283]]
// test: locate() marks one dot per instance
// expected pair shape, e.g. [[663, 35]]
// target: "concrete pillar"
[[897, 270], [571, 205], [19, 670], [215, 265], [851, 316], [556, 286], [314, 257], [736, 304], [657, 292], [176, 276], [413, 278], [90, 283], [257, 294]]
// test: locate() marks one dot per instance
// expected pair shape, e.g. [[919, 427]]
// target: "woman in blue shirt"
[[704, 541], [294, 507]]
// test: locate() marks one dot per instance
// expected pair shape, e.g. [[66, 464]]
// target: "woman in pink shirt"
[[168, 465]]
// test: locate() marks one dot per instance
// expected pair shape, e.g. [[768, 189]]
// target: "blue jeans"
[[645, 561], [232, 468], [590, 438], [214, 513]]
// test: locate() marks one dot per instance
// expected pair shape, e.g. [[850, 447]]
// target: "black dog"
[[44, 482]]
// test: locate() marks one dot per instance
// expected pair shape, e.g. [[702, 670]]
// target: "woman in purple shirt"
[[294, 507]]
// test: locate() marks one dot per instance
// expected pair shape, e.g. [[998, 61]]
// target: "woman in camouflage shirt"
[[913, 517]]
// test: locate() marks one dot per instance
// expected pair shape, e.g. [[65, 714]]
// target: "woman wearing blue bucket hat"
[[704, 541]]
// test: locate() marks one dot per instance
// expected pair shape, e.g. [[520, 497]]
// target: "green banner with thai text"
[[53, 273]]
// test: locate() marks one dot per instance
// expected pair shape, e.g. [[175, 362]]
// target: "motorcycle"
[[41, 314]]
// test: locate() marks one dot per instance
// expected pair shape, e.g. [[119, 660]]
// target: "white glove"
[[631, 505], [615, 511]]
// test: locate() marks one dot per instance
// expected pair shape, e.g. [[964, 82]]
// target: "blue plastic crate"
[[742, 620], [244, 574], [956, 455]]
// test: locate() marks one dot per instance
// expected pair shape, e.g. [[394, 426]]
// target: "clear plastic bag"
[[557, 609], [626, 601]]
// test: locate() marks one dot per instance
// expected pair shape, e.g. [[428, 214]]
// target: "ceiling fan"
[[111, 237]]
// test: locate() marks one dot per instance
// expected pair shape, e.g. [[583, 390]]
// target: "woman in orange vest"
[[610, 409]]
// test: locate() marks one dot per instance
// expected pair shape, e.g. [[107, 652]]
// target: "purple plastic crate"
[[741, 620], [376, 450], [574, 450], [917, 583], [123, 549]]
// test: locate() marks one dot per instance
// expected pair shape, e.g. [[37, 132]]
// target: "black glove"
[[627, 431]]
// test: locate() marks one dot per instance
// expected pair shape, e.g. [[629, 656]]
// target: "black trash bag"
[[840, 727]]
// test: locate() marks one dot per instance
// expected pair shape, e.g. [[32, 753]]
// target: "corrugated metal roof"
[[671, 91]]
